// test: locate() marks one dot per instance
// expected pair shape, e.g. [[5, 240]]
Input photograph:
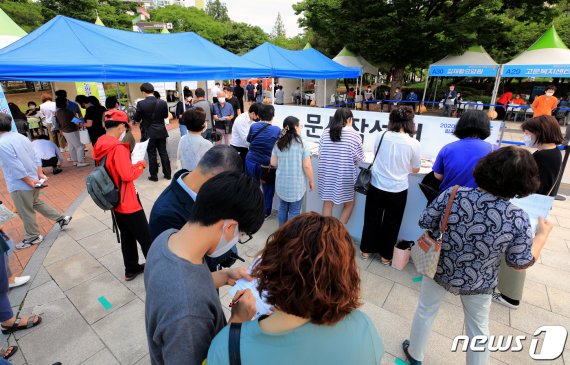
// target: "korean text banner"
[[432, 132], [464, 70], [536, 71]]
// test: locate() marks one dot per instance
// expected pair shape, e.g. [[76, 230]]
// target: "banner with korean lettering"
[[463, 70], [5, 109], [432, 132], [536, 71]]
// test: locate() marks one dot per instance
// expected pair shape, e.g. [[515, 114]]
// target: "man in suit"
[[151, 113]]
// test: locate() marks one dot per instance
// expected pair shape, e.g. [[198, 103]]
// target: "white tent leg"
[[273, 91], [496, 87], [425, 91], [325, 95]]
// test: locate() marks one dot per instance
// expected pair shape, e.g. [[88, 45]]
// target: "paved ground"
[[78, 271]]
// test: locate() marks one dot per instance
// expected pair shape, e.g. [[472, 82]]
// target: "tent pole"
[[325, 95], [118, 92], [425, 91], [435, 89], [273, 91], [302, 96], [496, 88], [361, 96]]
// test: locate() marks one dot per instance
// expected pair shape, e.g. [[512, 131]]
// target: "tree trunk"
[[397, 78]]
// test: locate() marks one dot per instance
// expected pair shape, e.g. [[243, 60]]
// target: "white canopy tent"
[[10, 32]]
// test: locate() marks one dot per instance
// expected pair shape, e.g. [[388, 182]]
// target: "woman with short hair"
[[308, 273], [293, 161], [398, 155], [193, 146], [340, 153], [94, 112], [483, 225], [455, 162]]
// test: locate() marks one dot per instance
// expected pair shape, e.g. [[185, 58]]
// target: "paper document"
[[139, 151], [241, 284], [535, 206]]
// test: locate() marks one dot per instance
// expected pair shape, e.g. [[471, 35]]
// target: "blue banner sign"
[[4, 107], [463, 71], [536, 71]]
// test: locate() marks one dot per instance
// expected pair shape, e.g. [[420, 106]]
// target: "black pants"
[[243, 152], [133, 227], [500, 112], [52, 162], [382, 219], [159, 144]]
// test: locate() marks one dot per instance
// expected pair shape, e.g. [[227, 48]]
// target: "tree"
[[279, 28], [415, 33], [241, 38], [217, 10], [28, 15], [78, 9], [114, 14]]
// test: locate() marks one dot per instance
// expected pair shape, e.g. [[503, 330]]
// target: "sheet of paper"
[[535, 206], [139, 151], [241, 284]]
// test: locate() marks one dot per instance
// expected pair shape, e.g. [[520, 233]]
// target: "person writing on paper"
[[544, 134], [483, 225], [545, 104], [183, 312], [129, 214], [223, 115], [398, 155], [455, 162], [316, 295]]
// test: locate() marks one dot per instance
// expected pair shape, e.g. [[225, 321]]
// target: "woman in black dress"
[[94, 118]]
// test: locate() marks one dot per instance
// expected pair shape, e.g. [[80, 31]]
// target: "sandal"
[[385, 261], [9, 352], [364, 255], [31, 321]]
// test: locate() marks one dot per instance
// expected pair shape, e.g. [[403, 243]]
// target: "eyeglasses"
[[244, 237]]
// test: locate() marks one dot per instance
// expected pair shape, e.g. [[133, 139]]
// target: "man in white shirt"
[[215, 90], [48, 152], [241, 130], [47, 114]]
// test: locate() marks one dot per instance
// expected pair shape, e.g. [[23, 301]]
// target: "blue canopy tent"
[[305, 64], [66, 49]]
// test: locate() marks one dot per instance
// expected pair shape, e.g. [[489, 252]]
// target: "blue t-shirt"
[[457, 160], [353, 340]]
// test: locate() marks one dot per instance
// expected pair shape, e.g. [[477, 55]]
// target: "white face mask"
[[222, 100], [225, 245], [528, 141], [549, 94]]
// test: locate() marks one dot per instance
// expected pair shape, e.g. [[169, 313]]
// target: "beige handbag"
[[425, 252]]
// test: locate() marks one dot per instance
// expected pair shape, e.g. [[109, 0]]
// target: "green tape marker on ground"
[[399, 361], [418, 279], [105, 303]]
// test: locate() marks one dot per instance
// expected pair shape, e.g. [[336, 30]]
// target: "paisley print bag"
[[426, 250]]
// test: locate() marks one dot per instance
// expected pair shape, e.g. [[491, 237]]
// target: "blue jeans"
[[288, 210], [268, 192], [183, 130], [260, 98]]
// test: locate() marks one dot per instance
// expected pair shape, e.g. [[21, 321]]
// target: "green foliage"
[[295, 43], [78, 9], [191, 20], [217, 10], [241, 37], [279, 28], [113, 13], [27, 14]]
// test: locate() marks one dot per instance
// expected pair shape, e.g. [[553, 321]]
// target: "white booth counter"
[[409, 230]]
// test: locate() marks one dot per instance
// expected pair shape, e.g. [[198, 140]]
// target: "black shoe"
[[153, 178], [130, 276], [56, 171], [411, 360], [168, 177]]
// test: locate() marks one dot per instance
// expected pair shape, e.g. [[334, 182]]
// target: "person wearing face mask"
[[183, 311], [193, 146], [241, 129], [181, 107], [32, 109], [368, 96], [545, 104], [223, 116], [129, 214]]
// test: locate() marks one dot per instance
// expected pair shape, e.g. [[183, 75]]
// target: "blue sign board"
[[536, 71], [4, 107], [463, 71]]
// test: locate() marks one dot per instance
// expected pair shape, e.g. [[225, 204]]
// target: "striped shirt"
[[290, 181], [338, 162]]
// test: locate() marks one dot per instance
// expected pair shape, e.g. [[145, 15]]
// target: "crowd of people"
[[307, 271]]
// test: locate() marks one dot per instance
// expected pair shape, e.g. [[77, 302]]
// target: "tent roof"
[[307, 46], [350, 59], [306, 64], [73, 50], [474, 55], [9, 30], [547, 57]]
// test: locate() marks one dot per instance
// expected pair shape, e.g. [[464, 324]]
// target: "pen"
[[236, 300]]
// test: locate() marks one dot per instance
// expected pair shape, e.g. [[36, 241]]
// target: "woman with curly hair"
[[483, 225], [308, 273]]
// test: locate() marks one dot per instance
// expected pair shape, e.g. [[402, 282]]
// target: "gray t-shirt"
[[205, 104], [183, 312]]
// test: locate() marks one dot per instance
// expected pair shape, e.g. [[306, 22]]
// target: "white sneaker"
[[64, 221], [19, 281], [498, 298], [28, 243], [83, 164]]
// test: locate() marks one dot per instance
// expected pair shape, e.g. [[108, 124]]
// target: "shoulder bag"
[[234, 344], [363, 180], [425, 252]]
